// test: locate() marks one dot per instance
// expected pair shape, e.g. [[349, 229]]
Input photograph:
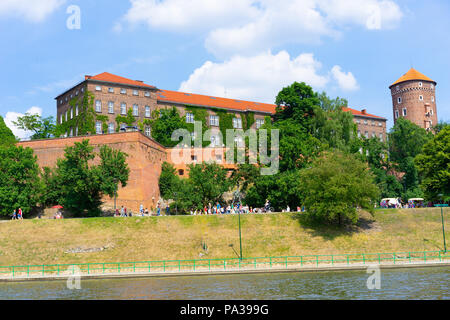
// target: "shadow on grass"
[[329, 231]]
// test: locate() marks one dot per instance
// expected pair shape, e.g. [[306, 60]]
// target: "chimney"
[[139, 81], [364, 111], [87, 77]]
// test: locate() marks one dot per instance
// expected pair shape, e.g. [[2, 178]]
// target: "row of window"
[[214, 121], [123, 91], [123, 108], [374, 135], [420, 86], [366, 122], [69, 113], [70, 96], [399, 99], [404, 113]]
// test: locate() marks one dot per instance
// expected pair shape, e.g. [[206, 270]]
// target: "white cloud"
[[346, 81], [12, 116], [252, 26], [257, 78], [32, 10]]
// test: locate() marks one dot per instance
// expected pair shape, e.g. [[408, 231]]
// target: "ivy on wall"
[[129, 120], [84, 121]]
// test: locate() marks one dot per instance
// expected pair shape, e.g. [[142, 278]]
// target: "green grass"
[[180, 237]]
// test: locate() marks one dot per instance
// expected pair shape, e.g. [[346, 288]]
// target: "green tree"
[[335, 186], [43, 128], [163, 126], [328, 104], [83, 184], [169, 182], [19, 180], [7, 138], [296, 102], [434, 165]]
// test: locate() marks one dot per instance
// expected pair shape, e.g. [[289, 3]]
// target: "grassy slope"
[[155, 238]]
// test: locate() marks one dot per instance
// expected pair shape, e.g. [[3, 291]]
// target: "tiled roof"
[[412, 74], [109, 77], [361, 113], [214, 102]]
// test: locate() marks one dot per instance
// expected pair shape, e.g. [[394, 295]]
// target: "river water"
[[420, 283]]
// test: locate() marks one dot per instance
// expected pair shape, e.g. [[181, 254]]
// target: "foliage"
[[165, 124], [168, 181], [129, 119], [19, 179], [434, 165], [328, 104], [335, 186], [6, 136], [296, 102], [441, 125], [83, 184], [43, 128]]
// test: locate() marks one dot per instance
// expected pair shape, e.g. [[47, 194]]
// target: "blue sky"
[[246, 49]]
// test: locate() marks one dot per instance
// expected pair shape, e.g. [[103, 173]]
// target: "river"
[[420, 283]]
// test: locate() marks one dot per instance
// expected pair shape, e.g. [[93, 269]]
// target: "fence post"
[[149, 266], [270, 261], [194, 264], [179, 265], [425, 256], [224, 264], [379, 259], [394, 257], [409, 257], [28, 271], [209, 264], [58, 269], [348, 261], [301, 261], [13, 271], [364, 258], [255, 263], [118, 266], [134, 267], [88, 267], [103, 268], [286, 262], [43, 269], [332, 259], [164, 266], [440, 258], [317, 260]]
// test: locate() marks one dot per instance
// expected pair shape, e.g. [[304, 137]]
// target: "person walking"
[[19, 214], [168, 210], [122, 212], [141, 209], [14, 215]]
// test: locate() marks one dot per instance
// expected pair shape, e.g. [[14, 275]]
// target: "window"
[[76, 93], [373, 123], [71, 96], [60, 119], [365, 122], [76, 111], [147, 112], [66, 99], [135, 92], [431, 86], [374, 134], [381, 137], [238, 141], [147, 94], [111, 127], [111, 90], [194, 158], [98, 127], [380, 124], [189, 117], [259, 123], [98, 88], [396, 114], [123, 91], [237, 123], [398, 88], [193, 135], [218, 157], [432, 99], [359, 134], [358, 121], [421, 98], [60, 101], [366, 134], [98, 106], [181, 172], [399, 100], [404, 112], [76, 131], [71, 132], [123, 108], [123, 126], [135, 110], [82, 89], [148, 131], [215, 141], [214, 121], [110, 107], [420, 84], [431, 112], [71, 113]]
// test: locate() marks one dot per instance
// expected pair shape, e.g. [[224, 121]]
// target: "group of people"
[[123, 212], [58, 215], [17, 214]]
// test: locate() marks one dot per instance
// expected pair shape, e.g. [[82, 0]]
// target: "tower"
[[414, 98]]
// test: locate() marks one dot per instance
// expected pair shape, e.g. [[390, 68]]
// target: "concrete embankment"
[[206, 272]]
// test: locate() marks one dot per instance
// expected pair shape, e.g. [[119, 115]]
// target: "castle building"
[[369, 125], [414, 98]]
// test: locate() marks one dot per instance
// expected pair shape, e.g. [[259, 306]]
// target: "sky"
[[241, 49]]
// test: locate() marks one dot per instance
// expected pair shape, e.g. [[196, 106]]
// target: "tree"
[[296, 102], [335, 186], [328, 104], [19, 180], [169, 182], [43, 128], [163, 126], [7, 138], [441, 125], [83, 184], [209, 182], [434, 165]]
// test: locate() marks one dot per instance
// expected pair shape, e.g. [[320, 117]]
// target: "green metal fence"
[[221, 264]]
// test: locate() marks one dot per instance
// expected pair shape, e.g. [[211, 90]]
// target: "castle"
[[414, 98]]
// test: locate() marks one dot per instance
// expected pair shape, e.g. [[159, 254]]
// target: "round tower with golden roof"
[[414, 98]]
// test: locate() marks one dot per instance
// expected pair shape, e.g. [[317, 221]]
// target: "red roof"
[[214, 102], [361, 113], [412, 74], [109, 77]]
